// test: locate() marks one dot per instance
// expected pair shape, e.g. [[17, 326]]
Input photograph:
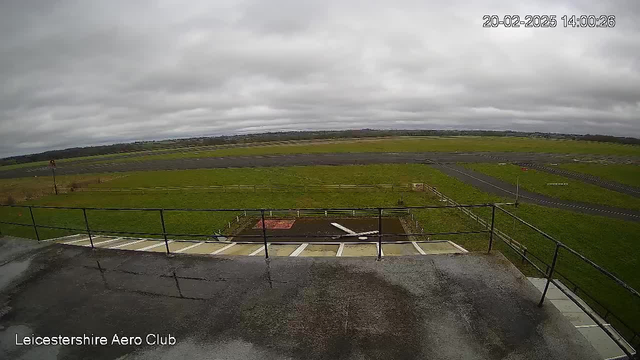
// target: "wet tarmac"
[[414, 307]]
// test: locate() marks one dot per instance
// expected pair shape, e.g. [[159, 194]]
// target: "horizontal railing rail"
[[551, 271], [266, 237]]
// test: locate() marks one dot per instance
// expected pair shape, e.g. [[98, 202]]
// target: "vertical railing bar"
[[33, 220], [86, 224], [553, 266], [164, 231], [264, 235], [379, 233], [493, 220]]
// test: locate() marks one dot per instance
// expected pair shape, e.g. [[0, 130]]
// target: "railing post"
[[379, 233], [553, 267], [86, 224], [33, 221], [264, 236], [164, 231], [493, 220]]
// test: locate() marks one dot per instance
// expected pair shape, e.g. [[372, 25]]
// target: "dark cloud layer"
[[93, 72]]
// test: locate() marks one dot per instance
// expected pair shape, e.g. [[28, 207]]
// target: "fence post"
[[33, 221], [379, 233], [164, 231], [86, 224], [264, 236], [493, 220], [553, 267]]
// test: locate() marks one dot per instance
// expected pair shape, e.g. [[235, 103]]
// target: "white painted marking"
[[299, 250], [126, 244], [340, 249], [258, 251], [379, 249], [75, 241], [189, 247], [154, 246], [418, 248], [590, 326], [458, 246], [348, 231], [62, 238], [222, 249], [105, 242], [620, 357]]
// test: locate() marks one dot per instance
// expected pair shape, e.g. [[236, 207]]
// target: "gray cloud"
[[92, 72]]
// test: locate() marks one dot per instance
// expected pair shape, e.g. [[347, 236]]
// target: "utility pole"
[[52, 165]]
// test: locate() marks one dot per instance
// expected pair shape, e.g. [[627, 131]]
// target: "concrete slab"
[[280, 250], [475, 306], [579, 318], [320, 250], [597, 337], [162, 248], [605, 346], [112, 243], [139, 245], [179, 245], [241, 249], [360, 250], [70, 238], [565, 305], [439, 248], [399, 249], [87, 242], [206, 248]]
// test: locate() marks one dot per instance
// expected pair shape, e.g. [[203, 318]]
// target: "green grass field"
[[422, 144], [398, 144], [536, 181], [58, 162], [610, 243], [625, 174], [20, 189]]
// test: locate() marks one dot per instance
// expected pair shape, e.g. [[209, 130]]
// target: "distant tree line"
[[290, 135]]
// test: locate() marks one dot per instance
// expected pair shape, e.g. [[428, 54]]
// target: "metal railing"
[[551, 271], [378, 212], [373, 212]]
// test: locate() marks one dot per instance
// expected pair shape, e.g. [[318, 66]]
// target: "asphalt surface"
[[426, 307], [306, 160], [591, 179], [501, 188]]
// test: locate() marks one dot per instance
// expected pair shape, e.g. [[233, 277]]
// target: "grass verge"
[[624, 174], [538, 181]]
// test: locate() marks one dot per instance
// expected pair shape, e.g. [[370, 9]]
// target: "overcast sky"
[[82, 72]]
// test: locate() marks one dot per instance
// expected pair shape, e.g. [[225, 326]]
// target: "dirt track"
[[306, 159], [494, 186]]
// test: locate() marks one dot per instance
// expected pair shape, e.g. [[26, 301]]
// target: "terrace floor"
[[471, 306], [290, 248]]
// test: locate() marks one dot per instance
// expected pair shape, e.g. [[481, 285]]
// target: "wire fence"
[[406, 187]]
